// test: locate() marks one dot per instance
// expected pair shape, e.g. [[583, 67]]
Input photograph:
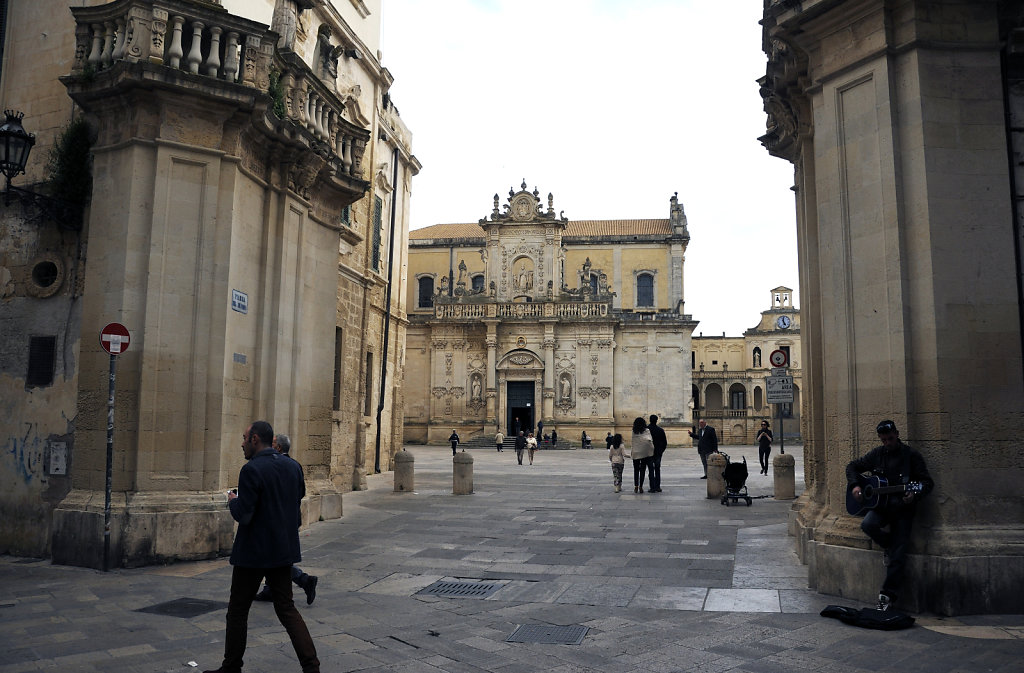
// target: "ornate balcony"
[[201, 47]]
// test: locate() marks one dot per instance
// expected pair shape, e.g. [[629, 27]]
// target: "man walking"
[[306, 582], [520, 446], [270, 490], [898, 464], [707, 443], [454, 439], [499, 439], [660, 444]]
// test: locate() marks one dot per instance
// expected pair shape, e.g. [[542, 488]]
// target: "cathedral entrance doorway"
[[521, 405]]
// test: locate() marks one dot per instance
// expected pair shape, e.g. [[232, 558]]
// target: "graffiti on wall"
[[25, 454]]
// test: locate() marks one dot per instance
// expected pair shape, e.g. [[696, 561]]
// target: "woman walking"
[[764, 446], [617, 458], [641, 450]]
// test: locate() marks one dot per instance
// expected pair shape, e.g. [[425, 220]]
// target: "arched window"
[[426, 292], [478, 283], [645, 289], [737, 397]]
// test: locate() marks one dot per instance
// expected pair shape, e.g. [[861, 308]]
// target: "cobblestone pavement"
[[668, 581]]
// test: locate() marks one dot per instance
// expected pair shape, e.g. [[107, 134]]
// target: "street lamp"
[[16, 143]]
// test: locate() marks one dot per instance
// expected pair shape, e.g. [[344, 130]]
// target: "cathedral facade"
[[528, 316]]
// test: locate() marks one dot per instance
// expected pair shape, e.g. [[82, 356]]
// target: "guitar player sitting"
[[897, 464]]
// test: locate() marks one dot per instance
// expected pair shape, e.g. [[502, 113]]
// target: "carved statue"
[[476, 388], [494, 289], [286, 19], [566, 388], [462, 271], [524, 280], [444, 284], [483, 256]]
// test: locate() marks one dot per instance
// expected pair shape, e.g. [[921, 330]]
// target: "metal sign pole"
[[110, 462], [782, 433]]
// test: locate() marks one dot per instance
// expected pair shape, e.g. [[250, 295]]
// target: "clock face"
[[783, 322]]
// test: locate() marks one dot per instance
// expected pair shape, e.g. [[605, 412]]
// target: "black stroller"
[[735, 475]]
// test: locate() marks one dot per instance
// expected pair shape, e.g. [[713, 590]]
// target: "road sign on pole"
[[779, 389], [778, 358], [114, 338]]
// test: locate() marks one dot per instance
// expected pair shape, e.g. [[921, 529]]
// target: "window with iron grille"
[[378, 210], [426, 292], [42, 356], [339, 340], [645, 290], [346, 216]]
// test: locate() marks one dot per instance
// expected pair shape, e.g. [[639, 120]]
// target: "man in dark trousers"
[[454, 439], [270, 490], [283, 444], [707, 443], [898, 464], [660, 444], [520, 446], [540, 430]]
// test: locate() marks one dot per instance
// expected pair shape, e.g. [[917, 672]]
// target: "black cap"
[[886, 426]]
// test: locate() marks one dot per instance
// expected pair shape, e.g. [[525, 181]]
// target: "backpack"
[[869, 618]]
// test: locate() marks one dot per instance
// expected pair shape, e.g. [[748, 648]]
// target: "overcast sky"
[[611, 105]]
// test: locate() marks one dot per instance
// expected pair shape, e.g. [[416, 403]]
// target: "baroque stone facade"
[[902, 120], [730, 375], [246, 164], [529, 315]]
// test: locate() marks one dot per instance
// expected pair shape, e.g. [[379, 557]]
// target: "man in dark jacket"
[[270, 490], [898, 464], [660, 444], [707, 443], [454, 439], [283, 445], [520, 446]]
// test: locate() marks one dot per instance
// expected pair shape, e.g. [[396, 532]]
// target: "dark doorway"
[[520, 405]]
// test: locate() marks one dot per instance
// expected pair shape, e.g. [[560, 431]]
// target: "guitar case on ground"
[[869, 618]]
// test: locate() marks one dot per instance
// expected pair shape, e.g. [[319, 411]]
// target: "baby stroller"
[[735, 475]]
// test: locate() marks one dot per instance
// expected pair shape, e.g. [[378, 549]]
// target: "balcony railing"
[[206, 41]]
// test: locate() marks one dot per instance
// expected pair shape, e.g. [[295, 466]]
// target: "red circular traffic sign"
[[115, 338], [778, 358]]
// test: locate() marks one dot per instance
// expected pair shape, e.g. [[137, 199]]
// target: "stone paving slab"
[[665, 582]]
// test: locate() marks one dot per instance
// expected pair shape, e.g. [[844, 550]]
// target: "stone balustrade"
[[204, 40]]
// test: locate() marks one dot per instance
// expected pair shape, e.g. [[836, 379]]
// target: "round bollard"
[[784, 466], [462, 474], [403, 465], [716, 482]]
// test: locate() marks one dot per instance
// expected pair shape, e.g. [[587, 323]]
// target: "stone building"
[[532, 316], [249, 204], [729, 375], [903, 123]]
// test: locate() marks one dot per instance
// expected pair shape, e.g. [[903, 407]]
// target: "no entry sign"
[[115, 338]]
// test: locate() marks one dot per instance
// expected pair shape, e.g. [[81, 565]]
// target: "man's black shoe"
[[704, 477], [310, 589], [264, 594]]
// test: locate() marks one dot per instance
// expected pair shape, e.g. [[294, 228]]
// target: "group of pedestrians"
[[646, 448]]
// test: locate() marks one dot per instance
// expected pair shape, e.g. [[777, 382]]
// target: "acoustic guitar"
[[875, 492]]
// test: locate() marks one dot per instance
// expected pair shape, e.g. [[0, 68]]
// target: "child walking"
[[617, 457]]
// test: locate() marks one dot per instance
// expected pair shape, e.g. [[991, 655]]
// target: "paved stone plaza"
[[665, 582]]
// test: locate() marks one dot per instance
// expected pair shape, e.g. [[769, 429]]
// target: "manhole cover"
[[460, 589], [547, 634], [184, 607]]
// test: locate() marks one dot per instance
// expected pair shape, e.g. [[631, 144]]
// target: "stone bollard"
[[784, 466], [462, 474], [403, 465], [716, 482]]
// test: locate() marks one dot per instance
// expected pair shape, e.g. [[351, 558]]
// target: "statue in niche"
[[476, 388], [566, 389], [524, 279], [757, 359]]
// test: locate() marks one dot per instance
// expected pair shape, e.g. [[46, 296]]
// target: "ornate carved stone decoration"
[[521, 360], [448, 363]]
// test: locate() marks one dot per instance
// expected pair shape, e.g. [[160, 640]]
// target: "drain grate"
[[546, 634], [460, 589], [184, 607]]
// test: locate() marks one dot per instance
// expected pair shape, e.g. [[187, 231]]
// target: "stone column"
[[548, 393], [492, 362]]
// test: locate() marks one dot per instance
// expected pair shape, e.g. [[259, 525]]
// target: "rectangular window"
[[789, 358], [339, 339], [368, 409], [378, 211], [346, 216], [42, 355]]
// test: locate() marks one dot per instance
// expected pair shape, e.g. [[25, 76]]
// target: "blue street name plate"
[[239, 301]]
